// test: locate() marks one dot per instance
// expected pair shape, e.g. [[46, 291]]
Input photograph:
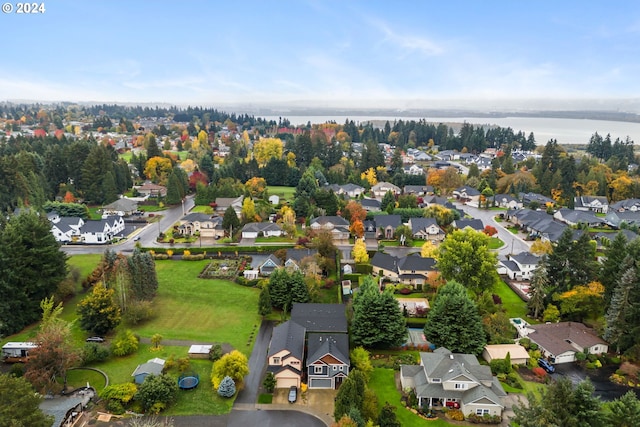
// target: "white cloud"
[[407, 43]]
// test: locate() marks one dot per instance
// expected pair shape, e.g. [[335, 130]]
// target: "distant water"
[[566, 131]]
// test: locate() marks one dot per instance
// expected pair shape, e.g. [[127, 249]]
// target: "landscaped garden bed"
[[225, 268]]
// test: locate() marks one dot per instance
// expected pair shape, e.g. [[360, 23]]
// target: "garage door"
[[286, 382], [320, 383]]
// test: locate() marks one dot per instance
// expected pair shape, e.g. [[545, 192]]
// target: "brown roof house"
[[561, 341]]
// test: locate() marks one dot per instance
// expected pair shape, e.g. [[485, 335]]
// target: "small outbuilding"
[[152, 367], [17, 351], [200, 351], [517, 353]]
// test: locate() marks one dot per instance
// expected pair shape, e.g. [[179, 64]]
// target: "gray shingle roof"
[[288, 336], [336, 345], [388, 220], [329, 318]]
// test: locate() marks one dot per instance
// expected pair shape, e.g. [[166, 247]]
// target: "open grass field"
[[194, 309], [202, 209], [282, 192], [383, 383]]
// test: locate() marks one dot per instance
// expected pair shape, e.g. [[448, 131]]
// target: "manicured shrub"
[[94, 352], [139, 312], [539, 372], [455, 414], [269, 382], [125, 343], [227, 387]]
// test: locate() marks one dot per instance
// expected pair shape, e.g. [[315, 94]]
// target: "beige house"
[[381, 188], [559, 342], [517, 353], [286, 354], [446, 379]]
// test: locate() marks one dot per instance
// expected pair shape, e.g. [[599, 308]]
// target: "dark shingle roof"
[[388, 220], [329, 318], [288, 336], [336, 345]]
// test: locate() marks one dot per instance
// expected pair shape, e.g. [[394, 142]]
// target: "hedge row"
[[214, 250]]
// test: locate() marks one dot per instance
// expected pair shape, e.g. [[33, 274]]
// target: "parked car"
[[293, 394], [544, 364], [452, 405], [95, 339], [137, 238]]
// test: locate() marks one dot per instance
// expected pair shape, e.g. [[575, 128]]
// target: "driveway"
[[604, 388], [257, 365]]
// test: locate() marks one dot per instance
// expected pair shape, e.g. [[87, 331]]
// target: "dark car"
[[293, 394], [544, 364], [95, 339]]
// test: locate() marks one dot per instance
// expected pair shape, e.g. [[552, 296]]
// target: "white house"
[[101, 231], [253, 230], [520, 266], [17, 349], [598, 204]]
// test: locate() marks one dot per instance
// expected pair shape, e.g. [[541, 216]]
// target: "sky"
[[356, 53]]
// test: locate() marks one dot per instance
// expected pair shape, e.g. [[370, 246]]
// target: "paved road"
[[272, 418], [512, 243], [147, 234]]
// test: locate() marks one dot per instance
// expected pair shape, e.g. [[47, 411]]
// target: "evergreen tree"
[[610, 269], [454, 322], [624, 411], [377, 319], [264, 302], [98, 312], [19, 403], [144, 280], [618, 314], [227, 387], [230, 220], [538, 290], [350, 394], [388, 202], [109, 188], [175, 191], [387, 417], [31, 267]]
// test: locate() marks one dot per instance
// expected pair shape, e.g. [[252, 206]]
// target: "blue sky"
[[352, 53]]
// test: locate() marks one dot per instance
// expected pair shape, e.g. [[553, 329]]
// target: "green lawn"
[[202, 209], [85, 263], [383, 383], [189, 308], [281, 239], [283, 192], [415, 243], [495, 243], [80, 377], [511, 302]]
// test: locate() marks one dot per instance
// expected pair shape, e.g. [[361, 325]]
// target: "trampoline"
[[188, 381]]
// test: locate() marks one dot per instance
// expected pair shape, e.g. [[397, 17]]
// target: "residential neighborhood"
[[323, 284]]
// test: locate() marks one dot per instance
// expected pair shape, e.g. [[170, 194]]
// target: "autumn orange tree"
[[54, 353]]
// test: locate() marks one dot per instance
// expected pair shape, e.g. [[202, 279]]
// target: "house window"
[[460, 386], [335, 367], [276, 360], [480, 411], [317, 369]]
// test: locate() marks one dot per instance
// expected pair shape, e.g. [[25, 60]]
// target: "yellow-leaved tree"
[[266, 148], [582, 302], [359, 252], [539, 247], [429, 250], [370, 176], [157, 169], [256, 186], [288, 220], [248, 210]]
